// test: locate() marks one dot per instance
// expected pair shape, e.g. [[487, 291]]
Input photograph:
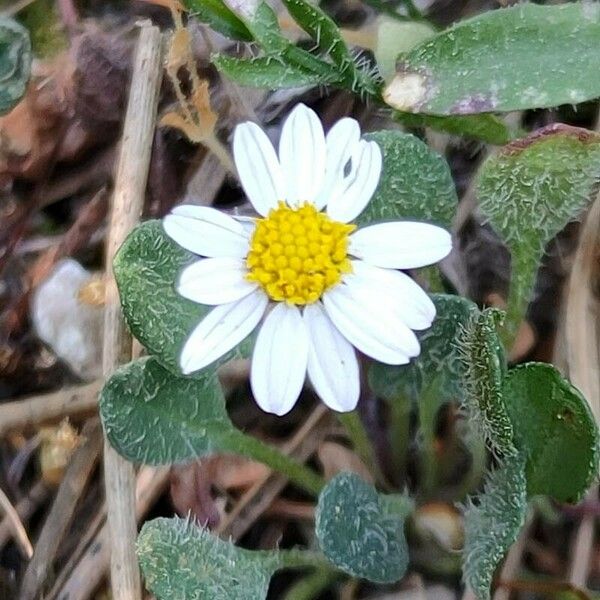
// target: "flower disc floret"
[[296, 254]]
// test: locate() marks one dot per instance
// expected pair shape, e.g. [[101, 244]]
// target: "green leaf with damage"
[[492, 524], [483, 369], [15, 63], [415, 184], [529, 192], [182, 561], [555, 430], [517, 58], [147, 268], [361, 531]]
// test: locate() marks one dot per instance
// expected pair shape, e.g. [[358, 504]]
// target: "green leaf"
[[487, 128], [15, 63], [493, 524], [438, 358], [415, 183], [503, 60], [529, 192], [484, 367], [181, 561], [151, 417], [394, 37], [361, 531], [264, 26], [48, 36], [271, 72], [328, 38], [555, 430], [146, 268], [155, 417], [220, 17]]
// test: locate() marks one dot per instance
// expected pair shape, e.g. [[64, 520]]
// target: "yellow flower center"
[[296, 254]]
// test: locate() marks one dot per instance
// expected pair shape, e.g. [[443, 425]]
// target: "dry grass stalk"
[[59, 518], [128, 200], [37, 410]]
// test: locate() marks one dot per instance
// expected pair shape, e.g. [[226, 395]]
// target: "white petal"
[[215, 281], [221, 330], [414, 306], [248, 223], [302, 155], [371, 324], [401, 244], [206, 231], [350, 201], [279, 360], [258, 167], [341, 141], [332, 362]]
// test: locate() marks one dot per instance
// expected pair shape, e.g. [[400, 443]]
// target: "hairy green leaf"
[[415, 183], [220, 17], [555, 430], [182, 561], [493, 524], [361, 531], [529, 192], [271, 72], [328, 38], [152, 417], [503, 60], [438, 358], [15, 63], [146, 268], [484, 367], [155, 417]]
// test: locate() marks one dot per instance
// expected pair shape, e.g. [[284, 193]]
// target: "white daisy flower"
[[320, 287]]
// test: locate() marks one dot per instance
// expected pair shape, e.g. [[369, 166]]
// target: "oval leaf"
[[181, 561], [359, 531], [415, 183], [555, 429], [529, 192], [146, 268], [438, 358], [152, 417], [503, 60]]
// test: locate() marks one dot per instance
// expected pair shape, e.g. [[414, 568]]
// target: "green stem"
[[360, 440], [297, 559], [312, 585], [295, 471], [400, 411], [522, 280]]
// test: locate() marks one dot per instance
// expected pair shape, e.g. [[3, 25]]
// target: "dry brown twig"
[[55, 527], [128, 200], [15, 523], [82, 576], [34, 498], [36, 410]]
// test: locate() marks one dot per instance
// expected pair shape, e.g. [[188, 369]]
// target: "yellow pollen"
[[296, 254]]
